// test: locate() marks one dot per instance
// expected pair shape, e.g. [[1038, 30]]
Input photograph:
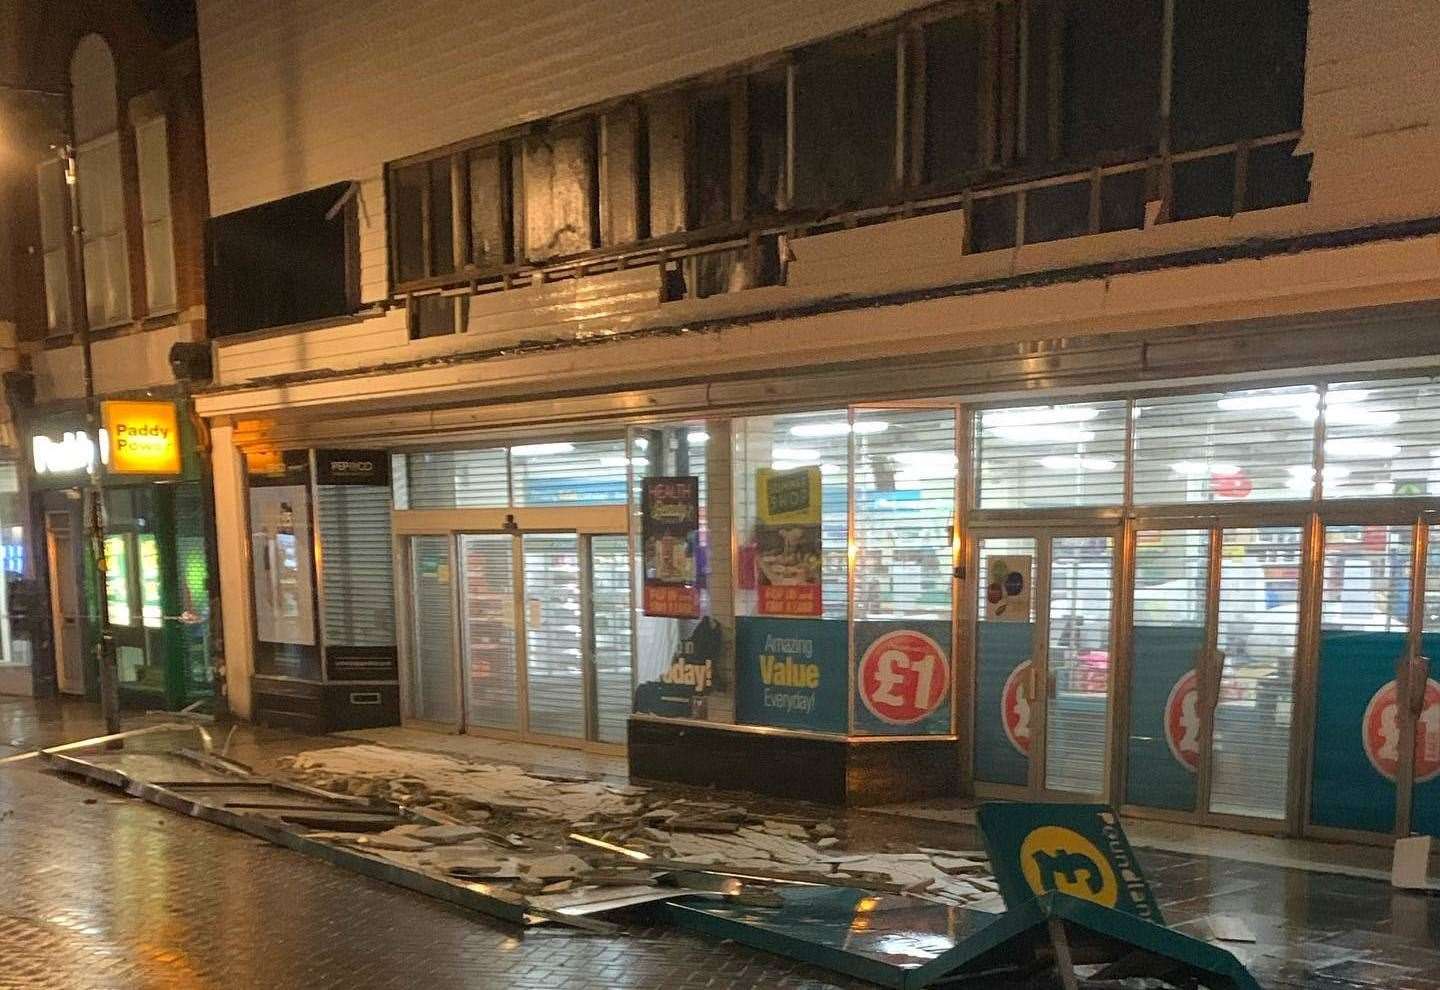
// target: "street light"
[[80, 321]]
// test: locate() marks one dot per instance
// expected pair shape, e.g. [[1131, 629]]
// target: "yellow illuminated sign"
[[143, 437]]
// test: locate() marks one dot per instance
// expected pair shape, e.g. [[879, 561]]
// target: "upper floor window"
[[152, 159], [1044, 119], [100, 182]]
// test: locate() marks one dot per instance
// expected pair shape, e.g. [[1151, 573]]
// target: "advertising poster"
[[281, 544], [681, 689], [1007, 588], [670, 534], [902, 678], [787, 541], [1075, 849], [791, 674], [1165, 719]]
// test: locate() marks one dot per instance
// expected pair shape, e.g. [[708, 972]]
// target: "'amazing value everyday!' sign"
[[791, 673]]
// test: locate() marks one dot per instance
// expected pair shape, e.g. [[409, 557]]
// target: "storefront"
[[156, 590]]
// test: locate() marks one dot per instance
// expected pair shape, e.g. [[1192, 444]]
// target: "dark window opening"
[[1239, 70], [1204, 187], [407, 212], [1056, 212], [992, 223], [437, 316], [1122, 201], [442, 219], [845, 122], [708, 189], [290, 261], [560, 203], [947, 82], [1276, 176], [768, 116], [1094, 79]]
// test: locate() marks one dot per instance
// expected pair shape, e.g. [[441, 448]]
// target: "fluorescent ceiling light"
[[1267, 400], [1343, 395], [1360, 449], [1202, 469], [1031, 435], [542, 449], [1037, 416], [943, 458], [834, 428], [622, 461], [1077, 463], [801, 455], [1302, 475], [1355, 414], [697, 437], [642, 442]]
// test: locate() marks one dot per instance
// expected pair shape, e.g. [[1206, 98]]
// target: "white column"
[[233, 553]]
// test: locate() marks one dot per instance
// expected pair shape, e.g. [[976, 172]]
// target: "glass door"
[[609, 624], [1377, 719], [554, 669], [1214, 638], [1044, 643], [490, 648], [434, 690]]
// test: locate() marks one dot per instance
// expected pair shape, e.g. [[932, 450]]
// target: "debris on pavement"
[[596, 843]]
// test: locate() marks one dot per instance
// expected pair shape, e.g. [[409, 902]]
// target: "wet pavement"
[[100, 890]]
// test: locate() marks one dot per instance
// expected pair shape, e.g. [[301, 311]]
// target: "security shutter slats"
[[905, 471], [1041, 457], [489, 630], [552, 635], [432, 676], [357, 555], [581, 473], [1079, 664], [1258, 633], [1249, 445], [1382, 439], [610, 620], [457, 479]]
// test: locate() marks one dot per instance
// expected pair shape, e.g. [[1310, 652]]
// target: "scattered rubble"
[[571, 845]]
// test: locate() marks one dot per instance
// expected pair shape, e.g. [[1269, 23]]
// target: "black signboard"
[[352, 467]]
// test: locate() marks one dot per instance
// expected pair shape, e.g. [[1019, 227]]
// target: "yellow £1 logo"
[[1062, 860]]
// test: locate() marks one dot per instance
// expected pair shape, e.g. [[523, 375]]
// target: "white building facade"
[[1070, 366]]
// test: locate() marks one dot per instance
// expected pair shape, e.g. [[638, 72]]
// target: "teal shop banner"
[[1355, 737], [903, 678], [1075, 849], [791, 673], [1002, 702], [1164, 717]]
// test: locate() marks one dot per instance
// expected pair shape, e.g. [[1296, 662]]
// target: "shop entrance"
[[1045, 638], [1214, 640], [1376, 756], [524, 633], [65, 603]]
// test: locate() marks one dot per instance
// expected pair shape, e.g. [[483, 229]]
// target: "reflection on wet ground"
[[105, 891]]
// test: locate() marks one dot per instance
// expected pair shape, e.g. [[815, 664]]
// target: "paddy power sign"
[[142, 437]]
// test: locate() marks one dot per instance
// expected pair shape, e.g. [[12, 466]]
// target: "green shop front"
[[156, 590]]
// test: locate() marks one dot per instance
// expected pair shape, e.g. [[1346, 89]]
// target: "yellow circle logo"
[[1062, 860]]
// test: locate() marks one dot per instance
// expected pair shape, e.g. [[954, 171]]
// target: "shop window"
[[1040, 457], [1239, 70], [1093, 83], [810, 557], [948, 72], [1382, 439], [1243, 446], [845, 128], [590, 472], [561, 208]]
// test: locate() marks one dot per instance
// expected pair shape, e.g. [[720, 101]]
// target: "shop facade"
[[156, 590], [1204, 598]]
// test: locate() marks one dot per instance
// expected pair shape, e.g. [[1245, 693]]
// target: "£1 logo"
[[1182, 721], [904, 676], [1380, 731], [1015, 708], [1063, 860]]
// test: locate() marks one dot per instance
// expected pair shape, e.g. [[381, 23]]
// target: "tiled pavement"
[[99, 890]]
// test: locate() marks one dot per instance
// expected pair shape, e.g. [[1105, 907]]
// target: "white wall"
[[299, 93]]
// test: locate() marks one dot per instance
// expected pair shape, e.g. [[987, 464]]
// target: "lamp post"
[[80, 323]]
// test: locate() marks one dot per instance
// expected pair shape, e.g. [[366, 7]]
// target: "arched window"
[[99, 181]]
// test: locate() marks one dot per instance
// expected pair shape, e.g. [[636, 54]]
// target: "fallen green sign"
[[1074, 896]]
